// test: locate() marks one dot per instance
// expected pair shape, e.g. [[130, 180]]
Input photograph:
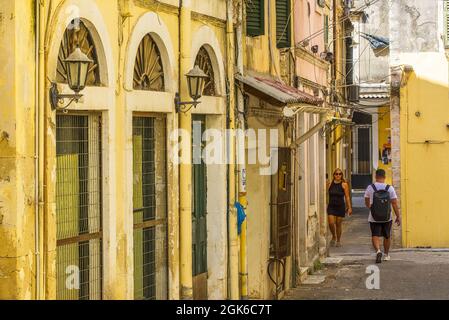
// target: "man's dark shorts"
[[381, 229]]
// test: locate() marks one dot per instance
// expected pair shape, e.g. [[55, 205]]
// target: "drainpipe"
[[241, 158], [233, 234], [185, 168], [38, 143]]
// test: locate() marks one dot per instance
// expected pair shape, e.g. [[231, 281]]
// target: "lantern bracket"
[[56, 98], [181, 106]]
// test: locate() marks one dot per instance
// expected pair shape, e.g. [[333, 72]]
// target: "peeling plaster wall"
[[369, 68], [259, 210], [419, 26]]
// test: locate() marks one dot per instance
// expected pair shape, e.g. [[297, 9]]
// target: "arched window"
[[75, 35], [148, 69], [204, 62]]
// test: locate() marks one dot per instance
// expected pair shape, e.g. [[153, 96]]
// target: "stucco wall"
[[259, 193], [424, 149], [17, 251], [368, 67], [422, 115]]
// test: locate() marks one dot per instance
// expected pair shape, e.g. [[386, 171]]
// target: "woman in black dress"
[[338, 192]]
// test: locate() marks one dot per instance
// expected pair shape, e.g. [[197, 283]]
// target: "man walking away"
[[379, 198]]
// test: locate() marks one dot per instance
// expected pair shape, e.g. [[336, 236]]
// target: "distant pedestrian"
[[379, 198], [336, 210]]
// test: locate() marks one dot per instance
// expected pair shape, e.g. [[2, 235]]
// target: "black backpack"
[[381, 207]]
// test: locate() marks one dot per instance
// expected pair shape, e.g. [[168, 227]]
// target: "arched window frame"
[[203, 60], [148, 67], [77, 33]]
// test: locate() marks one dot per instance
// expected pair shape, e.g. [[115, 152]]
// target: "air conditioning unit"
[[353, 93]]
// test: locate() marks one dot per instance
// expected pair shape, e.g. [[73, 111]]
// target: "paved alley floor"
[[409, 275]]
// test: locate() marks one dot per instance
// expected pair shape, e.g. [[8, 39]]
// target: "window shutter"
[[283, 24], [446, 23], [326, 31], [255, 17]]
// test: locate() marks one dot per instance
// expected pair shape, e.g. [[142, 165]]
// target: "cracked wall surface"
[[17, 263]]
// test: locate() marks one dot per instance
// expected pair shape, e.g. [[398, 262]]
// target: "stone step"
[[331, 261], [314, 279]]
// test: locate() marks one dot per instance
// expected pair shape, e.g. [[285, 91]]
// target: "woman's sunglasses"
[[338, 174]]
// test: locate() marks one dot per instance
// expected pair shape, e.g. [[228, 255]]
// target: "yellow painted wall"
[[384, 131], [259, 215], [257, 53], [17, 150], [424, 151], [259, 59]]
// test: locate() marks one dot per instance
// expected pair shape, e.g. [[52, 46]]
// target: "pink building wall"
[[309, 19]]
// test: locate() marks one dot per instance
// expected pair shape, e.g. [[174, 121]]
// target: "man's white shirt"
[[369, 193]]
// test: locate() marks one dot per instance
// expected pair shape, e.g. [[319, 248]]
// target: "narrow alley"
[[411, 274]]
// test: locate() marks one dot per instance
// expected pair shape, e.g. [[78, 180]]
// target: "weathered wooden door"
[[281, 209], [199, 212]]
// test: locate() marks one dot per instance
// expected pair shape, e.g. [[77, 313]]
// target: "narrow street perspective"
[[419, 273]]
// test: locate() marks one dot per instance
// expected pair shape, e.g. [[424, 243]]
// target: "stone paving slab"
[[411, 274], [314, 279], [331, 261]]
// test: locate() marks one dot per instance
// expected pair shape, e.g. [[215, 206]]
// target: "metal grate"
[[362, 150], [205, 63], [199, 198], [78, 207], [148, 70], [150, 208], [78, 35]]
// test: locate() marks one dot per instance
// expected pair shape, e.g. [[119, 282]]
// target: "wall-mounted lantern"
[[195, 81], [77, 66]]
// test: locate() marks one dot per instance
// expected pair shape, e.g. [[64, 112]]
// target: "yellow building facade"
[[420, 133], [423, 150], [286, 224]]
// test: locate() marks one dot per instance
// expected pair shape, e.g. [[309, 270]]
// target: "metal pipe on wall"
[[36, 151], [39, 140], [241, 156], [185, 167], [232, 227]]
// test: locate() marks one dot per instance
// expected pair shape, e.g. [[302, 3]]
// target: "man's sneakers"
[[379, 257]]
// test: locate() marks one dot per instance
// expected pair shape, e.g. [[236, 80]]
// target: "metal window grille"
[[362, 146], [78, 207], [204, 61], [150, 208]]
